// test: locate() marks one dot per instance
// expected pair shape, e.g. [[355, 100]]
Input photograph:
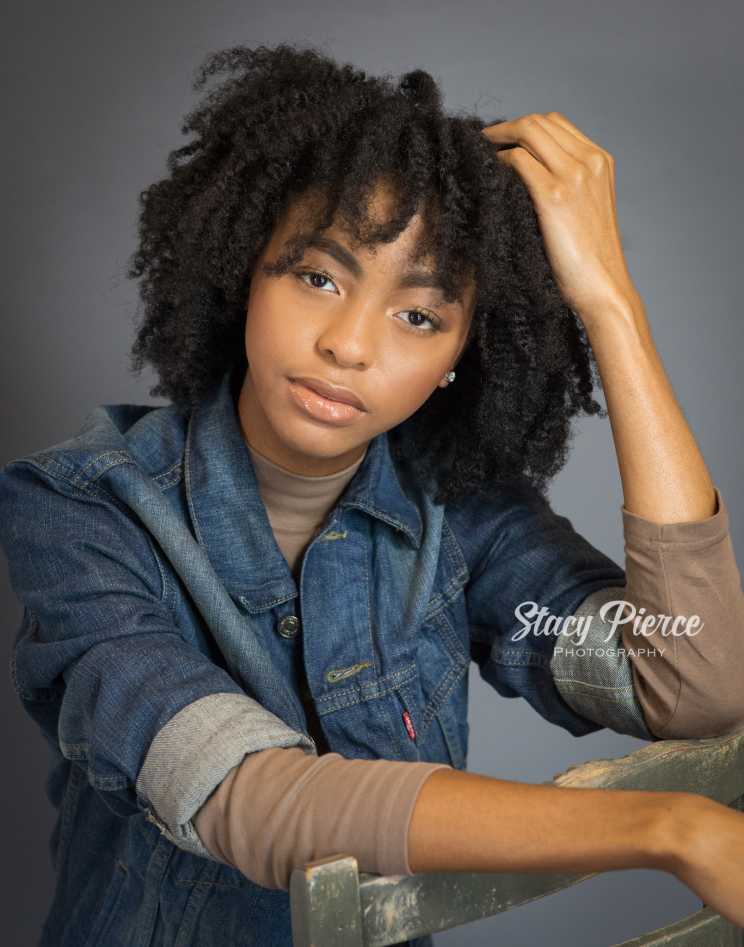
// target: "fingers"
[[521, 130], [598, 164], [553, 141], [561, 122], [533, 135], [534, 174]]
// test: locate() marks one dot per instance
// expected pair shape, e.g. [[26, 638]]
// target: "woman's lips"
[[326, 402]]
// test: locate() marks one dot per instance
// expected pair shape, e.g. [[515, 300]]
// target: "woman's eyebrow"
[[339, 253], [424, 279]]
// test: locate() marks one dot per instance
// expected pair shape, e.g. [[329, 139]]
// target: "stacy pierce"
[[249, 615]]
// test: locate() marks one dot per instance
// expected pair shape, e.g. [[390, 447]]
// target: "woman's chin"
[[309, 444]]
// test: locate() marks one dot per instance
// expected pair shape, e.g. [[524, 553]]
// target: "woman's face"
[[346, 345]]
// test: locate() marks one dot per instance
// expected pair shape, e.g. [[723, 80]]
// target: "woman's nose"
[[349, 338]]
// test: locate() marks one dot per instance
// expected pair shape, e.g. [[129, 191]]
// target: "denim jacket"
[[154, 655]]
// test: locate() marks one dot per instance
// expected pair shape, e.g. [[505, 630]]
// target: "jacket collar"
[[230, 520]]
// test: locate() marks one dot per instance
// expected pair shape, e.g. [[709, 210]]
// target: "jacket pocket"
[[111, 903]]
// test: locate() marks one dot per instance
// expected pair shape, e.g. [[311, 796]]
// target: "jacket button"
[[289, 626]]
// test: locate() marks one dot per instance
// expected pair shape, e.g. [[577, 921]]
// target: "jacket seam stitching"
[[447, 634], [87, 486], [194, 881], [187, 477], [126, 459], [163, 576], [528, 657], [432, 710], [95, 460], [167, 473], [363, 700], [385, 517], [433, 601], [381, 680], [371, 642], [255, 610], [460, 662], [459, 567], [445, 603], [413, 505]]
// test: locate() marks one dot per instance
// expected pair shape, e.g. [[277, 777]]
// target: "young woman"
[[250, 614]]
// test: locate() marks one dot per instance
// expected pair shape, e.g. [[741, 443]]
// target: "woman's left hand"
[[572, 184]]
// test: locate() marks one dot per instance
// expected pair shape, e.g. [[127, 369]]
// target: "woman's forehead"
[[363, 235], [372, 232]]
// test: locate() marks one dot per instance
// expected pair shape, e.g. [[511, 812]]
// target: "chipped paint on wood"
[[326, 911], [704, 929], [712, 768], [396, 909]]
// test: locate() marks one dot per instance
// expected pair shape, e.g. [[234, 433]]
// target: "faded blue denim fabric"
[[151, 579], [595, 677]]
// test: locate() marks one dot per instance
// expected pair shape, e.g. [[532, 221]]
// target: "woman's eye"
[[318, 280], [419, 320]]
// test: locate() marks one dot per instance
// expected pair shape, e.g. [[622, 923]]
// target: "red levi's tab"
[[409, 725]]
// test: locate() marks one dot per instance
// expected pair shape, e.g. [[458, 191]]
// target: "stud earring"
[[450, 376]]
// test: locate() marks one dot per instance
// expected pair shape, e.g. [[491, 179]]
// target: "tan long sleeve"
[[280, 808], [695, 688]]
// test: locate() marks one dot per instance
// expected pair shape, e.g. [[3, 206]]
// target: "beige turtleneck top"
[[298, 506]]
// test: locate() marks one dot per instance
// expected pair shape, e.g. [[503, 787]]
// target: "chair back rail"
[[333, 906], [704, 929]]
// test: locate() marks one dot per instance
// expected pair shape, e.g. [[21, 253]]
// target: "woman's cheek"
[[266, 334], [406, 390]]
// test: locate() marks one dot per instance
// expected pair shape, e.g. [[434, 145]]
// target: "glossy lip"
[[331, 392]]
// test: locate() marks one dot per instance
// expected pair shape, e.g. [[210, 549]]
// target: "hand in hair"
[[571, 183]]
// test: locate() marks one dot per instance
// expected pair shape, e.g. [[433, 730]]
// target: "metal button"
[[289, 626]]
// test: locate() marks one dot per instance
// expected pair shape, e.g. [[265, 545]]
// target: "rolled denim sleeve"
[[593, 672], [194, 752], [101, 663]]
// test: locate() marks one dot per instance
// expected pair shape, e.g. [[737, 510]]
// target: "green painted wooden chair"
[[334, 906]]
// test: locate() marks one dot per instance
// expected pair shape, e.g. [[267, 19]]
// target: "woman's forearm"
[[272, 813], [465, 822], [663, 474]]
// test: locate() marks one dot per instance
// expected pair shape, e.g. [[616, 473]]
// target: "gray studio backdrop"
[[92, 96]]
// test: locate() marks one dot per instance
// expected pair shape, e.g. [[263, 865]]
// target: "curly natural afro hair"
[[288, 122]]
